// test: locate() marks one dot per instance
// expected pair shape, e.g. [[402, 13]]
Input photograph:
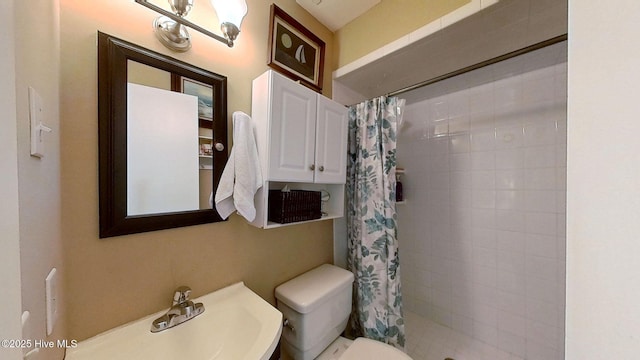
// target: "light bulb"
[[230, 11]]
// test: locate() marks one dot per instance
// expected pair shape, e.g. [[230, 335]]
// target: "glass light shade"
[[230, 11]]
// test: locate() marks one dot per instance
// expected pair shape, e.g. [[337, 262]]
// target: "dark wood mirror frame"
[[113, 55]]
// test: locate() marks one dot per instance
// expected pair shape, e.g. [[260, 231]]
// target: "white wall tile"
[[512, 323], [510, 179], [458, 103], [543, 334], [542, 132], [538, 87], [540, 223], [511, 282], [461, 218], [460, 162], [487, 209], [462, 323], [484, 237], [540, 156], [541, 311], [542, 267], [462, 289], [512, 343], [485, 294], [483, 218], [540, 200], [439, 180], [482, 120], [487, 258], [487, 314], [462, 251], [512, 262], [485, 199], [541, 289], [542, 245], [508, 93], [511, 241], [483, 139], [462, 305], [487, 276], [459, 143], [485, 160], [511, 303], [537, 351], [510, 137], [483, 179], [510, 200], [485, 333], [542, 178], [439, 109], [510, 159], [510, 220]]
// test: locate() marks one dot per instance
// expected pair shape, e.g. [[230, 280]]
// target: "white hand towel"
[[241, 177]]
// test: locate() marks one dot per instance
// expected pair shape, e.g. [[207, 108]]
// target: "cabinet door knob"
[[219, 146], [312, 167], [321, 168]]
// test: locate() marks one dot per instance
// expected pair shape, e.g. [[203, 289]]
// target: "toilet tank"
[[317, 305]]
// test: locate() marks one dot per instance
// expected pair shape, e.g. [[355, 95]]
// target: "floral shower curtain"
[[371, 220]]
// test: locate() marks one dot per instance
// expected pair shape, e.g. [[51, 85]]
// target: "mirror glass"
[[168, 117], [162, 139]]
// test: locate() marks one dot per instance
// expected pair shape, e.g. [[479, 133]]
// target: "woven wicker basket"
[[293, 206]]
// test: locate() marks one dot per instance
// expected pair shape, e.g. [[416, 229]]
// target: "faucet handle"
[[181, 295]]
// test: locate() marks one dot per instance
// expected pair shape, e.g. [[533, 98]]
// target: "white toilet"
[[316, 307]]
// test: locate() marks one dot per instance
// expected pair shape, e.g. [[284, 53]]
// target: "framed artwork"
[[294, 50], [204, 93]]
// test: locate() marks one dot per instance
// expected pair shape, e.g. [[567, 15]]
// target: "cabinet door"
[[331, 142], [293, 113]]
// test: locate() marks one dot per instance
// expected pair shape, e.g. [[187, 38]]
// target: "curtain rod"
[[482, 64]]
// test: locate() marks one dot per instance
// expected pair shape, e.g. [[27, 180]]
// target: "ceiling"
[[335, 14], [501, 29]]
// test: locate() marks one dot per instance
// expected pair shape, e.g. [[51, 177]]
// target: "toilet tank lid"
[[305, 292]]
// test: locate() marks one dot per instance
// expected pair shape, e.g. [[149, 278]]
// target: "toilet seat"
[[363, 348]]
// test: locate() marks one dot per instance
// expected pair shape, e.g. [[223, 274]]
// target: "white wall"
[[603, 181], [482, 234], [37, 46], [10, 301]]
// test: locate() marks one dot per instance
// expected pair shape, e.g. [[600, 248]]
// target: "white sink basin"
[[236, 324]]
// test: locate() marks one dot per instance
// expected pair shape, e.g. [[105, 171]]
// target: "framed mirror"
[[162, 139]]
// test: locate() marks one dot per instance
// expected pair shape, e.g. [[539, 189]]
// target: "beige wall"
[[116, 280], [386, 22], [37, 65]]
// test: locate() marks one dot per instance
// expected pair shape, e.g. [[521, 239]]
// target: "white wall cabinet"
[[331, 142], [302, 142]]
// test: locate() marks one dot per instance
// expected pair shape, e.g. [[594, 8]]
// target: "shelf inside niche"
[[334, 206]]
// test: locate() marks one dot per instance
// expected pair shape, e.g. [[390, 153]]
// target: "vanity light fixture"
[[170, 27]]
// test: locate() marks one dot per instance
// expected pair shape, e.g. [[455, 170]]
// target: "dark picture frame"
[[294, 50], [205, 94]]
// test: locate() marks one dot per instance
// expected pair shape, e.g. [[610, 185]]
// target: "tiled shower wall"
[[482, 232]]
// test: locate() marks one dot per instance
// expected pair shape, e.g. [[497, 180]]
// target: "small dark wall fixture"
[[114, 55]]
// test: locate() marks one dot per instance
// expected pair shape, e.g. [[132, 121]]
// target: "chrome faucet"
[[182, 309]]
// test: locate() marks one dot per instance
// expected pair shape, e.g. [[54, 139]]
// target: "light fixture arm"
[[185, 22]]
